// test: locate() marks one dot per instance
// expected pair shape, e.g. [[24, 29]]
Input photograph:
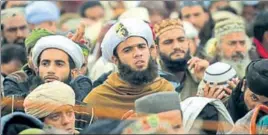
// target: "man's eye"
[[254, 98], [54, 117], [168, 42], [242, 43], [186, 16], [45, 64], [181, 39], [196, 14], [142, 46], [126, 50], [59, 64], [232, 43]]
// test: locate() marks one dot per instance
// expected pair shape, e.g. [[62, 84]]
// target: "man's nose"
[[138, 52], [66, 119]]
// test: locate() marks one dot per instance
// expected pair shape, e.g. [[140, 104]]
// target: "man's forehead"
[[132, 41], [54, 54], [234, 36], [173, 33], [15, 20]]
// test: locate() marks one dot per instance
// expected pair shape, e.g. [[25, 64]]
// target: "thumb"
[[127, 115]]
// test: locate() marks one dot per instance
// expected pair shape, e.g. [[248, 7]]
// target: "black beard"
[[138, 77], [15, 42], [37, 80], [177, 65]]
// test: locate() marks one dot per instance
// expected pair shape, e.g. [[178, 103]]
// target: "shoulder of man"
[[94, 94], [19, 77], [16, 84]]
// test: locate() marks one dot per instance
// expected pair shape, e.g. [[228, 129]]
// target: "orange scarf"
[[115, 97]]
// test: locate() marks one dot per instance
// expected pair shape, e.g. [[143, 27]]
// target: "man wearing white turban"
[[127, 44]]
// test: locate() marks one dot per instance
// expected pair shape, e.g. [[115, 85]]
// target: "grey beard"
[[239, 66]]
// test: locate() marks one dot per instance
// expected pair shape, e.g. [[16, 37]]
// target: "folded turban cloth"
[[257, 77], [61, 43], [42, 11], [48, 97], [121, 31]]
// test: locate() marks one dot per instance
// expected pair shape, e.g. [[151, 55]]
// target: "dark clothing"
[[13, 124], [21, 83], [235, 104], [209, 113]]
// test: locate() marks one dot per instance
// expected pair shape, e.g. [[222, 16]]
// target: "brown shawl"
[[115, 97]]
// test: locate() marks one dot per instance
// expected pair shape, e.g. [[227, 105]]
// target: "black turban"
[[257, 77]]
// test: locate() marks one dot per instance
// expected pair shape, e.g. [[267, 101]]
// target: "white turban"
[[46, 98], [62, 43], [122, 30]]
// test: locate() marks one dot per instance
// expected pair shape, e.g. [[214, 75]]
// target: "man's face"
[[252, 100], [134, 62], [173, 44], [249, 12], [134, 52], [233, 46], [95, 13], [54, 65], [174, 50], [15, 29], [218, 5], [195, 15], [62, 118]]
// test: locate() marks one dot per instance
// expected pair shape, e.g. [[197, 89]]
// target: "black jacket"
[[236, 105], [13, 124], [21, 83]]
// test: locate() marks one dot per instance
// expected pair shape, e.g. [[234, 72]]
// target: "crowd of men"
[[134, 67]]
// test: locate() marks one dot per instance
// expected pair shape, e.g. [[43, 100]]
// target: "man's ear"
[[75, 73], [115, 60], [265, 36]]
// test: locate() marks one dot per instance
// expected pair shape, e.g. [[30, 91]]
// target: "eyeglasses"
[[14, 29]]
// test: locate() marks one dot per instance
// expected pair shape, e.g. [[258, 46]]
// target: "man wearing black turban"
[[250, 91]]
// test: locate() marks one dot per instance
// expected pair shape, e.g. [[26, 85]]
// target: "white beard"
[[239, 66]]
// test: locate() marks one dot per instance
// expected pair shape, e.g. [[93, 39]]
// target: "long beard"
[[138, 77], [177, 65], [239, 66]]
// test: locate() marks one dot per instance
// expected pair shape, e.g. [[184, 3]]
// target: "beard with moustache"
[[134, 77], [36, 81], [177, 65], [239, 65], [18, 41]]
